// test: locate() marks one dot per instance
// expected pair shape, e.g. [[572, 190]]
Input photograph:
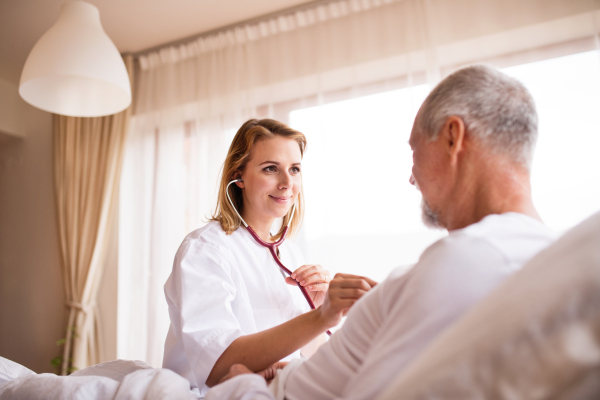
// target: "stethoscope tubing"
[[273, 250], [273, 246]]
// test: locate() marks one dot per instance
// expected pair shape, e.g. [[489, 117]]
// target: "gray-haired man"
[[472, 145]]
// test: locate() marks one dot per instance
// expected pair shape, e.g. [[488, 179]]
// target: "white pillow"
[[10, 370], [537, 336]]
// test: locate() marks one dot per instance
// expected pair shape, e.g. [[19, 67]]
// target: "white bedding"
[[115, 380]]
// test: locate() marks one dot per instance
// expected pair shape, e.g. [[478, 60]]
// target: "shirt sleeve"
[[201, 291], [328, 371], [450, 278], [253, 386], [392, 324]]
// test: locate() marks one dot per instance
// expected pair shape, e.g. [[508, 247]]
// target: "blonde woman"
[[228, 301]]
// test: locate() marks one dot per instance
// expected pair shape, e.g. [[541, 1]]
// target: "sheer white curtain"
[[169, 178], [191, 99]]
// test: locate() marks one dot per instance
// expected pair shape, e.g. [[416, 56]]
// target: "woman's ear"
[[240, 183]]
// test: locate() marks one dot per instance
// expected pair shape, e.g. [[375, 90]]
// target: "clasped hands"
[[333, 299], [268, 373]]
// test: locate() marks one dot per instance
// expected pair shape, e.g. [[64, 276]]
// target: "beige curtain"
[[338, 46], [88, 154]]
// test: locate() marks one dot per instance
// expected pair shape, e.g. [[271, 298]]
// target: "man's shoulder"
[[516, 236], [498, 241], [457, 252], [505, 225]]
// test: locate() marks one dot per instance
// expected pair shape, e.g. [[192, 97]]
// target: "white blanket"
[[114, 380]]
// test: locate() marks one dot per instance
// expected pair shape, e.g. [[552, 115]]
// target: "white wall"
[[10, 107], [32, 314], [32, 311]]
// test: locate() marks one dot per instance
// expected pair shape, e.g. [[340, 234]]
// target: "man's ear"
[[454, 136]]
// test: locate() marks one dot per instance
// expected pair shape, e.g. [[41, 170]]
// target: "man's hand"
[[344, 291], [271, 372], [268, 373], [235, 370], [314, 278]]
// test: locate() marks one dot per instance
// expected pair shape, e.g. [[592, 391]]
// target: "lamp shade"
[[75, 69]]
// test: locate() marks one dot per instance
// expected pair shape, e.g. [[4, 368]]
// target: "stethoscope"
[[272, 246]]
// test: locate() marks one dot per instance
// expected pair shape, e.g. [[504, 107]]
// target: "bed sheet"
[[113, 380]]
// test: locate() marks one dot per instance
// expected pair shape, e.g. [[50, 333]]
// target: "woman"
[[228, 302]]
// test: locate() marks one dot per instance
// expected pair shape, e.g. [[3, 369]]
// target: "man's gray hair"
[[496, 108]]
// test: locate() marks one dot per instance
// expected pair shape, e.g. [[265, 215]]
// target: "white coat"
[[222, 287]]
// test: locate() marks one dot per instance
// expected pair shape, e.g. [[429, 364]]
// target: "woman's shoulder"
[[207, 233], [205, 246], [211, 235]]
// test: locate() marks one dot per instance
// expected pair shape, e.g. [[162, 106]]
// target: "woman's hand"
[[344, 291], [314, 278]]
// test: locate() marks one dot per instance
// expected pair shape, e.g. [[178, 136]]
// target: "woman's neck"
[[262, 226]]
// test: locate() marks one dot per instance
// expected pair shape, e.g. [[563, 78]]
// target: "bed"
[[118, 380]]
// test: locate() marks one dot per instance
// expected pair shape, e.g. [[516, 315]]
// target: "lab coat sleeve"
[[203, 291]]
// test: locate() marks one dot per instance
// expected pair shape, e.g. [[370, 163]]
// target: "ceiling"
[[133, 25]]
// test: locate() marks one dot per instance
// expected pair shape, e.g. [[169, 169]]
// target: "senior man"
[[472, 143]]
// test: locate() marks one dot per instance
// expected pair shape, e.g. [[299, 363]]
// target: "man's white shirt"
[[393, 323]]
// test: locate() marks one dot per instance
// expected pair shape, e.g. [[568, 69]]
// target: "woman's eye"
[[295, 170], [270, 168]]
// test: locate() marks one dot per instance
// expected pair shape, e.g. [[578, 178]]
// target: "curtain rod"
[[265, 17]]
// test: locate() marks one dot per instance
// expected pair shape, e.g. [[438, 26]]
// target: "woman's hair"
[[238, 156]]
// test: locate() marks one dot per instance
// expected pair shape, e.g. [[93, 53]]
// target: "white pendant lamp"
[[75, 69]]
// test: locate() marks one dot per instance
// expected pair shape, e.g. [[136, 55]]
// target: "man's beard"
[[430, 218]]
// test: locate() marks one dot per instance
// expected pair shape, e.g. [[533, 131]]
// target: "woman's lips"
[[281, 199]]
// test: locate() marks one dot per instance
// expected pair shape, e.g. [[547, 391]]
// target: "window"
[[363, 216], [566, 166]]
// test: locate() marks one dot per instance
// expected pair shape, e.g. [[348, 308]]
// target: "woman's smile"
[[281, 199]]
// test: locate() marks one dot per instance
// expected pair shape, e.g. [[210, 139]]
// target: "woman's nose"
[[286, 181], [412, 180]]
